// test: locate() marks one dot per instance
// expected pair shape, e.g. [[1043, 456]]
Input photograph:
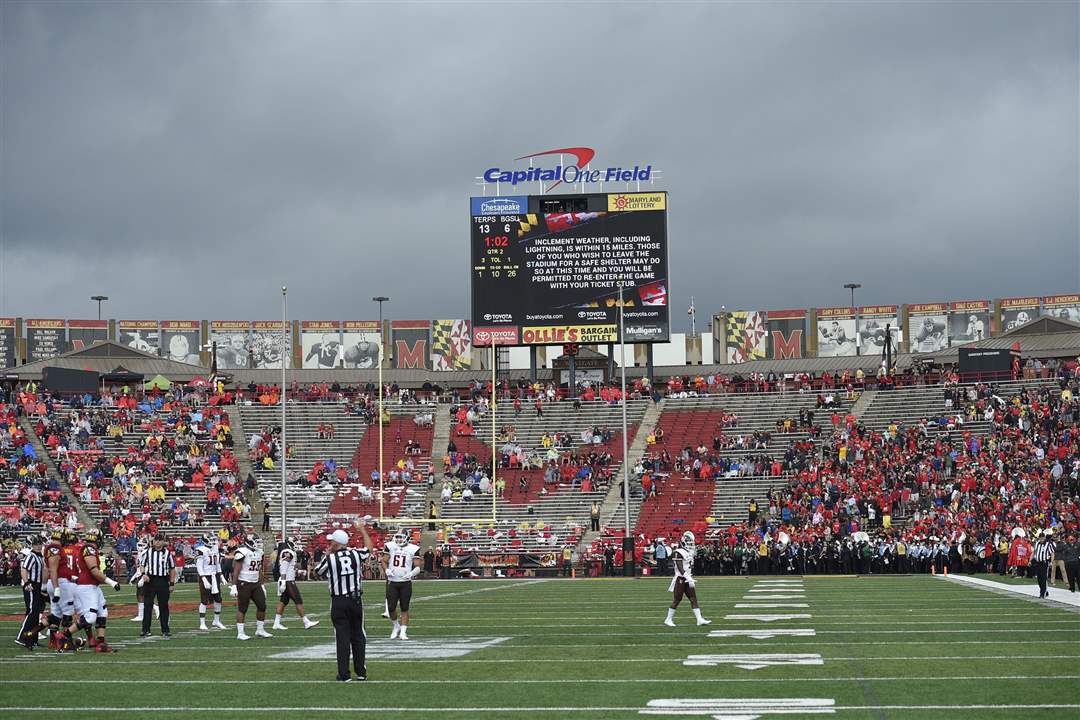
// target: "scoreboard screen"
[[546, 269]]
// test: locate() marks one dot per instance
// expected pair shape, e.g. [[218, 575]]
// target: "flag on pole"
[[691, 310]]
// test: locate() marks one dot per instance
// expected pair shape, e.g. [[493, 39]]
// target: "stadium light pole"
[[380, 299], [99, 299], [853, 287], [627, 540], [284, 350]]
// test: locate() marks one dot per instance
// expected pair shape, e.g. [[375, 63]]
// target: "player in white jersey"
[[208, 566], [683, 582], [287, 560], [247, 578], [401, 563]]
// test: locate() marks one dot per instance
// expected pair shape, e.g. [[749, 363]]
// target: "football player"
[[67, 572], [208, 566], [401, 564], [287, 588], [247, 579], [683, 582], [52, 553], [90, 602]]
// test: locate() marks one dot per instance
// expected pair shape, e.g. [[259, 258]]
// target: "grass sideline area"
[[881, 647]]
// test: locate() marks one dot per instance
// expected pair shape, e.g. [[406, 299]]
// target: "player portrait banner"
[[7, 342], [747, 336], [411, 342], [928, 327], [787, 334], [45, 339], [84, 333], [836, 332], [360, 344], [873, 321], [451, 345], [969, 321], [180, 340], [140, 335], [320, 344], [1062, 307], [231, 337], [1016, 312], [557, 262], [265, 345]]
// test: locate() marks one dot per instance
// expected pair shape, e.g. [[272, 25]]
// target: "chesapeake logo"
[[498, 317], [575, 172], [502, 205]]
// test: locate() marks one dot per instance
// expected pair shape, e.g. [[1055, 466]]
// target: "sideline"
[[1059, 598]]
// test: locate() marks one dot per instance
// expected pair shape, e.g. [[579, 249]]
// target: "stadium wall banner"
[[747, 336], [836, 336], [451, 345], [142, 335], [180, 340], [231, 337], [787, 334], [84, 333], [7, 342], [1018, 311], [265, 351], [1062, 307], [360, 344], [411, 340], [873, 319], [320, 344], [928, 327], [969, 321], [45, 339]]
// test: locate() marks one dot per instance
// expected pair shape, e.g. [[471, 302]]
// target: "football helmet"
[[400, 538], [253, 541], [688, 539], [209, 539], [92, 537], [56, 534], [68, 537], [143, 542]]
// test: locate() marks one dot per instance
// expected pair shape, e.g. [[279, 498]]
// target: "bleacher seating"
[[563, 511]]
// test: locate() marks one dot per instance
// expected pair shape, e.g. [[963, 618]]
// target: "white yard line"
[[232, 709], [534, 681], [1028, 592]]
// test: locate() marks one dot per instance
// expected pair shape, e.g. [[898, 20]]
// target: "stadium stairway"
[[612, 506], [439, 442], [243, 461], [50, 463]]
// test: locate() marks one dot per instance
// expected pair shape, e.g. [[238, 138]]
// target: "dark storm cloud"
[[187, 159]]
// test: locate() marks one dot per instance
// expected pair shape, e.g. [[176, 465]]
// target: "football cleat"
[[703, 621], [202, 626], [310, 623], [394, 633], [243, 636], [104, 647], [218, 626], [669, 623], [403, 636], [263, 634], [278, 626]]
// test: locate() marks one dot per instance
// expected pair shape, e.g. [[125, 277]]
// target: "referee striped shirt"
[[1044, 550], [157, 563], [33, 563], [342, 570]]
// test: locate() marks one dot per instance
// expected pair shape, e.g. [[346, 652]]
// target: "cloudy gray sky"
[[188, 158]]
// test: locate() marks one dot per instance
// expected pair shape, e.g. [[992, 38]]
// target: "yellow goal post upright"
[[383, 520]]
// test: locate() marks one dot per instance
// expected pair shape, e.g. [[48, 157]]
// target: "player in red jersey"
[[51, 553], [89, 601], [64, 595]]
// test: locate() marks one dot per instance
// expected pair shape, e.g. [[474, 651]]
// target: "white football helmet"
[[688, 539]]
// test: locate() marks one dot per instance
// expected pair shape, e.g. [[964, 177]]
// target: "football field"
[[854, 648]]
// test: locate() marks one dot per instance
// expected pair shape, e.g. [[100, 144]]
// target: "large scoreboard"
[[546, 269]]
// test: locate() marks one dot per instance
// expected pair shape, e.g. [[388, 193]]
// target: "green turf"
[[901, 647]]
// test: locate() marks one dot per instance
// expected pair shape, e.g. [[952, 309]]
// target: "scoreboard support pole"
[[494, 463]]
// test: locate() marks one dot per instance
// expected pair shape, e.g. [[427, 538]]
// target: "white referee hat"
[[339, 536]]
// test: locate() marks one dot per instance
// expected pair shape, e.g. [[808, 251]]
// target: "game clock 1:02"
[[493, 251]]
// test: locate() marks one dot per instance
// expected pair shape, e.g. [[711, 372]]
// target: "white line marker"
[[753, 661], [763, 634], [740, 708], [768, 618], [800, 596], [771, 605], [341, 709], [417, 649]]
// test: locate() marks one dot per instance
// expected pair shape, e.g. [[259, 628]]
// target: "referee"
[[32, 569], [158, 576], [343, 567], [1043, 556]]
